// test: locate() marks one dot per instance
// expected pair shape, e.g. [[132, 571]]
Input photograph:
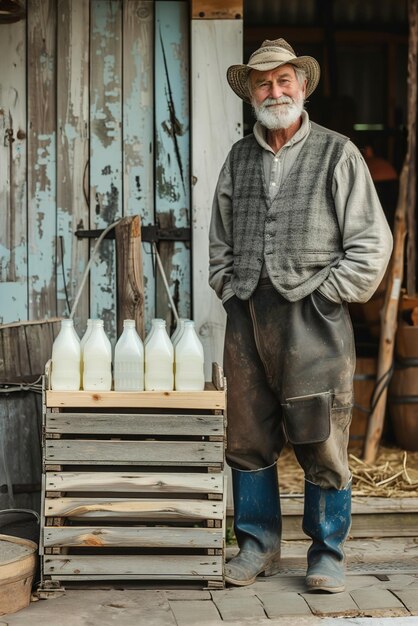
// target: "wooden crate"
[[133, 487]]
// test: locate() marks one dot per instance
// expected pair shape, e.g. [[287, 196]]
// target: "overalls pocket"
[[307, 419]]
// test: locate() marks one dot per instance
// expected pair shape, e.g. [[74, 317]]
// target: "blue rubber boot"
[[327, 520], [257, 525]]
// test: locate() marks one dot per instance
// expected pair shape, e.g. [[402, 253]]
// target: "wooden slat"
[[41, 98], [292, 505], [128, 424], [129, 565], [214, 107], [138, 128], [134, 482], [172, 149], [130, 536], [105, 150], [13, 187], [134, 508], [82, 451], [207, 399], [72, 153], [371, 517], [217, 10]]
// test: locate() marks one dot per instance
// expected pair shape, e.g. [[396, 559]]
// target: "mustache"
[[273, 101]]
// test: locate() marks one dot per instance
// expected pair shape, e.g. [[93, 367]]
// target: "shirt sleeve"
[[366, 237], [221, 257]]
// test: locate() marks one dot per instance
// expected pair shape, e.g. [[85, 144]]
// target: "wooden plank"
[[381, 525], [13, 187], [283, 603], [72, 153], [105, 150], [82, 451], [138, 128], [133, 482], [20, 449], [138, 508], [130, 281], [172, 148], [216, 125], [372, 598], [369, 505], [217, 10], [130, 536], [130, 424], [186, 612], [207, 399], [129, 565], [41, 98]]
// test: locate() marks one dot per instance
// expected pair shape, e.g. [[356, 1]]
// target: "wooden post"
[[389, 325], [404, 222], [411, 150], [130, 282]]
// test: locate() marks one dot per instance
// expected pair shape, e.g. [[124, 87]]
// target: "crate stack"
[[133, 486]]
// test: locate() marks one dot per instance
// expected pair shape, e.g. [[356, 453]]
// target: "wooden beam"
[[411, 285], [217, 9], [130, 283]]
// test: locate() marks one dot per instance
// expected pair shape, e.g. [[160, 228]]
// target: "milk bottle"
[[154, 322], [159, 357], [178, 332], [189, 360], [65, 375], [129, 360], [86, 334], [97, 360]]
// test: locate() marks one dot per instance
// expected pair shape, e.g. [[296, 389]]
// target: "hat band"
[[270, 55]]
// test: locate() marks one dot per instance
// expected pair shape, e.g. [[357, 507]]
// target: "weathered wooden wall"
[[95, 120], [217, 114]]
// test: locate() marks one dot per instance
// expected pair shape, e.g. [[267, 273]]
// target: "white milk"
[[189, 360], [65, 375], [129, 360], [97, 360], [159, 357]]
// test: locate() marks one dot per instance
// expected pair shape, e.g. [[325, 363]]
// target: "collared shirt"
[[362, 223]]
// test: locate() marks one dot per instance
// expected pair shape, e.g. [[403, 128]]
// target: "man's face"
[[277, 96]]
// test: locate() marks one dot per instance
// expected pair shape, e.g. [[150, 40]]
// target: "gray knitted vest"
[[297, 234]]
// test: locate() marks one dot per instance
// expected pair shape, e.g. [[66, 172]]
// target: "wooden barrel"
[[403, 393], [17, 568], [363, 383]]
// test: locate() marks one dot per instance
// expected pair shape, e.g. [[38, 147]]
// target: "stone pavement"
[[382, 583]]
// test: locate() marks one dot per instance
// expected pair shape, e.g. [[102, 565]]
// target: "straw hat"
[[270, 55]]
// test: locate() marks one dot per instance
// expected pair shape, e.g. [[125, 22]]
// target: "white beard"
[[282, 116]]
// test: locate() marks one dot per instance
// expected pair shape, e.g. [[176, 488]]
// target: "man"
[[297, 231]]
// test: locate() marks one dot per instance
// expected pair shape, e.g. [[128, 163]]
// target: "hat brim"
[[237, 75]]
